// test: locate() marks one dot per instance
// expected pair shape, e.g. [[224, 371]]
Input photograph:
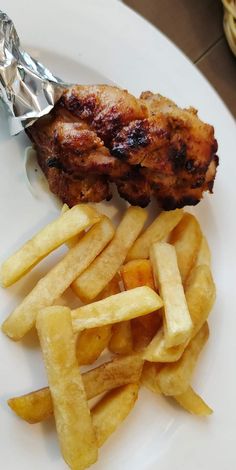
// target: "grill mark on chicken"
[[53, 162], [147, 146], [177, 156], [84, 108], [134, 137]]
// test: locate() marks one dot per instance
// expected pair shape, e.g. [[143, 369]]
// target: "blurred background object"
[[230, 23], [196, 27]]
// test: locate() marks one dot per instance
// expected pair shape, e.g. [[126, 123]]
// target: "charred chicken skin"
[[147, 146]]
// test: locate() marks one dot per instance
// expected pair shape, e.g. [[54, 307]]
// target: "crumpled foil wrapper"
[[28, 89]]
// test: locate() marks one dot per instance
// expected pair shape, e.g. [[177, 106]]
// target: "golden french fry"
[[137, 273], [119, 307], [200, 295], [37, 406], [186, 238], [151, 323], [174, 378], [72, 416], [91, 343], [112, 288], [58, 279], [193, 403], [189, 400], [109, 413], [33, 407], [157, 351], [140, 336], [91, 282], [204, 254], [177, 320], [48, 239], [121, 341], [73, 240], [120, 371], [149, 376], [156, 232], [106, 415]]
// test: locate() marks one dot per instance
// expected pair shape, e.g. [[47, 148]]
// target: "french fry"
[[138, 273], [109, 413], [111, 410], [186, 238], [189, 400], [120, 371], [121, 341], [90, 283], [200, 293], [37, 406], [157, 351], [74, 240], [72, 416], [149, 376], [91, 343], [174, 378], [119, 307], [46, 240], [140, 335], [151, 323], [33, 407], [156, 232], [112, 288], [204, 254], [158, 338], [58, 279], [177, 320], [193, 403]]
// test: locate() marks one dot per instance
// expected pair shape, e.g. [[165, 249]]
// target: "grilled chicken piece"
[[174, 150], [147, 146]]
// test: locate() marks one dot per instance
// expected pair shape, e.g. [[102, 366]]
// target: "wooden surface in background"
[[195, 26]]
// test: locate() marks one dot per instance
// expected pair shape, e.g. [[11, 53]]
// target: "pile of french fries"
[[146, 295]]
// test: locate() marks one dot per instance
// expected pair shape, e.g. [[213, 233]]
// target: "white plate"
[[102, 41]]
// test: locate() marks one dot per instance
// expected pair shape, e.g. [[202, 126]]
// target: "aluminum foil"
[[28, 89]]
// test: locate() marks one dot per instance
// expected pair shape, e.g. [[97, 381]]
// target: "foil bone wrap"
[[28, 89]]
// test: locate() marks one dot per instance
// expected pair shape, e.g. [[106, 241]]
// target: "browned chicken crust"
[[147, 146]]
